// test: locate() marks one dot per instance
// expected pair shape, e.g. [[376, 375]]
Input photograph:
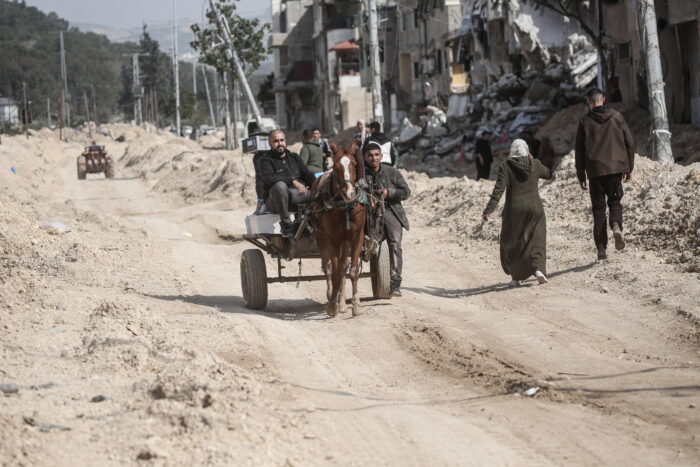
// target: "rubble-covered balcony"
[[296, 75], [340, 15], [345, 65]]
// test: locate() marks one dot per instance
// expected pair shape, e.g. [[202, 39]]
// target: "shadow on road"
[[288, 310], [485, 289]]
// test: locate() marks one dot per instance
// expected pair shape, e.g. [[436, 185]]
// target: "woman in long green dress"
[[524, 228]]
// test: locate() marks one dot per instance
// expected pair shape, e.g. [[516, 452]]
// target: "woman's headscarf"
[[519, 148]]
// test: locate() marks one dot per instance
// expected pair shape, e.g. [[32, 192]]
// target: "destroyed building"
[[341, 95], [510, 66], [679, 42], [293, 54]]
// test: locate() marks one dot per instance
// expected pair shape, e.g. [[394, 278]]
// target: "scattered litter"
[[530, 392], [99, 398], [55, 228], [187, 234], [44, 427], [13, 170], [9, 388], [37, 387]]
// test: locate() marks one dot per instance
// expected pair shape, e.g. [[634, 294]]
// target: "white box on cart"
[[265, 224]]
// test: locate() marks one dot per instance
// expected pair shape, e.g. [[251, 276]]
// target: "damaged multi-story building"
[[505, 61], [679, 44], [292, 43], [317, 64]]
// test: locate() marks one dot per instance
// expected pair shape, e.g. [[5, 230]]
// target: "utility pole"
[[26, 110], [222, 24], [64, 78], [48, 112], [94, 105], [227, 113], [206, 88], [194, 79], [138, 89], [60, 114], [87, 114], [236, 113], [176, 70], [657, 98], [375, 63]]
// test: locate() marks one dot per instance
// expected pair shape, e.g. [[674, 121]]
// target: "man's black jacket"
[[389, 178], [274, 168]]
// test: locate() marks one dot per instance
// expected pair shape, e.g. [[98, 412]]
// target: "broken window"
[[624, 51]]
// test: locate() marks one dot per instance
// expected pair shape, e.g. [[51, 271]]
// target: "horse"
[[340, 228]]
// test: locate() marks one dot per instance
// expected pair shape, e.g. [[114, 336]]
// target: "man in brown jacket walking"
[[604, 153]]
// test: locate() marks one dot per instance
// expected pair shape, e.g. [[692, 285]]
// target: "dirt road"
[[431, 378]]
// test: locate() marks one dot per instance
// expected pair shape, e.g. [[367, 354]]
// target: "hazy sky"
[[131, 13]]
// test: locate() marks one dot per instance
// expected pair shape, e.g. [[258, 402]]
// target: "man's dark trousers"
[[394, 233], [610, 187], [282, 196], [483, 171]]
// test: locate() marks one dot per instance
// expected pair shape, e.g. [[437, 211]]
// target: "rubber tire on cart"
[[254, 279], [109, 171], [82, 168], [381, 272]]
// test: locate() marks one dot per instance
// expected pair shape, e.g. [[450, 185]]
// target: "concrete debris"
[[556, 62], [9, 388], [409, 132]]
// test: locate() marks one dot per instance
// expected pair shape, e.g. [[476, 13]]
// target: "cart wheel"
[[254, 279], [109, 172], [82, 168], [381, 270]]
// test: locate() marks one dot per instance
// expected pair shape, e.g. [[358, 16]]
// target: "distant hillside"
[[30, 52], [162, 32]]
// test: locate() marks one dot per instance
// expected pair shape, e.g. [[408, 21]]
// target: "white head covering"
[[519, 148]]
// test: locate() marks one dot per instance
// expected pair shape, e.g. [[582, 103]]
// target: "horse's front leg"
[[332, 307], [327, 268], [344, 263], [355, 274]]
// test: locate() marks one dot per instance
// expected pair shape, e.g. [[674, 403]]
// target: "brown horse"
[[340, 229]]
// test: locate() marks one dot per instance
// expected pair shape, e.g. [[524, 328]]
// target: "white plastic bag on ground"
[[55, 228]]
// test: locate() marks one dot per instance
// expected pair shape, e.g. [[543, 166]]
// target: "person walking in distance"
[[524, 229], [325, 148], [390, 155], [311, 153], [484, 155], [605, 155]]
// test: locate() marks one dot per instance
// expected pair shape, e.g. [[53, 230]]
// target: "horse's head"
[[345, 171]]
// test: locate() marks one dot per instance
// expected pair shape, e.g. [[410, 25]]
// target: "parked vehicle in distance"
[[206, 130], [252, 127]]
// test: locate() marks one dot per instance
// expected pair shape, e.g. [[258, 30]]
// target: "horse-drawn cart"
[[265, 233]]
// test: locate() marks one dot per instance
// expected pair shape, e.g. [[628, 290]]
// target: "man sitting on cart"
[[286, 180]]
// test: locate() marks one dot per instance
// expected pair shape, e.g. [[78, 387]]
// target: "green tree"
[[247, 36], [30, 52]]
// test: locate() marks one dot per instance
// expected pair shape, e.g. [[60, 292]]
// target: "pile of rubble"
[[506, 107]]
